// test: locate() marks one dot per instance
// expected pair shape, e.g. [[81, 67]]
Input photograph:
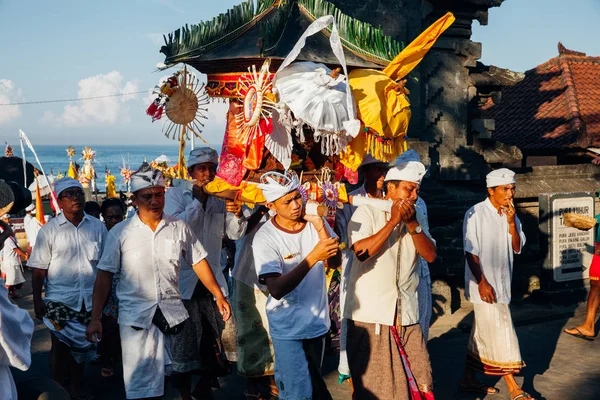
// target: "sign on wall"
[[570, 250]]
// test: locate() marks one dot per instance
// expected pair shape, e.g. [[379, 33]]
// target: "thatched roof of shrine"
[[245, 36]]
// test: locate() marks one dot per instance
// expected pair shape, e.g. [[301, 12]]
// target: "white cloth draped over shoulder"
[[16, 330]]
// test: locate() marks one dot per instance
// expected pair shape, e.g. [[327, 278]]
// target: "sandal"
[[523, 395], [580, 335], [480, 388]]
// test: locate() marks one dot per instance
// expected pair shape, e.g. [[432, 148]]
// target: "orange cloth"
[[39, 206]]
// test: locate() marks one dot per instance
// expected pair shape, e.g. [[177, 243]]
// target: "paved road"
[[559, 367]]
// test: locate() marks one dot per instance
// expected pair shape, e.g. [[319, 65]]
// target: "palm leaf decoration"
[[357, 36], [189, 41]]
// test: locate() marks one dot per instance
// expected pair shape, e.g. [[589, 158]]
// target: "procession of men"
[[181, 319]]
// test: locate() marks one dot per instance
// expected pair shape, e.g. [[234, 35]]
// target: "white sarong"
[[493, 346], [145, 361]]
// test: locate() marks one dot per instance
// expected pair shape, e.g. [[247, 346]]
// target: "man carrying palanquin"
[[382, 304], [373, 172], [146, 250], [209, 218], [66, 252], [290, 251], [492, 234]]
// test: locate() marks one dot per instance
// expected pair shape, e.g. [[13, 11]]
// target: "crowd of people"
[[148, 291]]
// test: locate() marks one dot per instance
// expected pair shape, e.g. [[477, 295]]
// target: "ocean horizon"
[[54, 158]]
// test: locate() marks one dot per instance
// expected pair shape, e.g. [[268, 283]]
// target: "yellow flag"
[[412, 55]]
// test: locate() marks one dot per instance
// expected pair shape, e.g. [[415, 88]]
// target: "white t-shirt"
[[303, 313], [486, 235]]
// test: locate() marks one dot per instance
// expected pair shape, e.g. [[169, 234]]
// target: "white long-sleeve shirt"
[[209, 225], [486, 235]]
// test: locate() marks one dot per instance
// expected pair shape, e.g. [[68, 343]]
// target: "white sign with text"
[[572, 248]]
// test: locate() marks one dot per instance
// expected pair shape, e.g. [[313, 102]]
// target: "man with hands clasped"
[[382, 301], [492, 234], [290, 251]]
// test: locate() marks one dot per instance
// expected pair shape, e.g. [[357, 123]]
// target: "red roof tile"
[[556, 105]]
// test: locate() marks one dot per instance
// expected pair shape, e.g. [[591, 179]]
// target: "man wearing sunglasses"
[[65, 256]]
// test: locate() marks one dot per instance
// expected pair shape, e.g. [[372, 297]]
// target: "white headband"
[[499, 177], [65, 183], [411, 171], [203, 155], [145, 178], [275, 185]]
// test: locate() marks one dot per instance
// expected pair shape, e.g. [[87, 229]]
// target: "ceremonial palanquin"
[[309, 89]]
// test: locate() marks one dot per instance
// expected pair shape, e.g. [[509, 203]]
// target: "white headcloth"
[[203, 155], [30, 207], [146, 177], [275, 185], [499, 177], [411, 171], [65, 183]]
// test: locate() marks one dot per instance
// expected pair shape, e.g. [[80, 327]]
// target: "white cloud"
[[156, 38], [9, 94], [108, 110]]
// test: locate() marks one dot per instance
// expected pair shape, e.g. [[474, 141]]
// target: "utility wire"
[[69, 100]]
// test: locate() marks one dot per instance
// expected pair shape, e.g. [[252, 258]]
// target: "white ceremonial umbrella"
[[162, 159]]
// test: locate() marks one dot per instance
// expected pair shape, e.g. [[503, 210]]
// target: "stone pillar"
[[439, 85]]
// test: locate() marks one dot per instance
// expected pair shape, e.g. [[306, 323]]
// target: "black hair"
[[395, 183], [108, 203], [91, 207]]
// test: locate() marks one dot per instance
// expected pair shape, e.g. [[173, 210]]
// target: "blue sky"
[[69, 49]]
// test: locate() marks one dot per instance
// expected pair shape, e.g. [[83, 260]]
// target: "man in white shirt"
[[492, 234], [146, 250], [382, 305], [289, 255], [16, 330], [210, 219], [373, 172], [65, 256], [31, 225]]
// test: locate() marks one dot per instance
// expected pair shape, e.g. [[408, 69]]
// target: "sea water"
[[54, 159]]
